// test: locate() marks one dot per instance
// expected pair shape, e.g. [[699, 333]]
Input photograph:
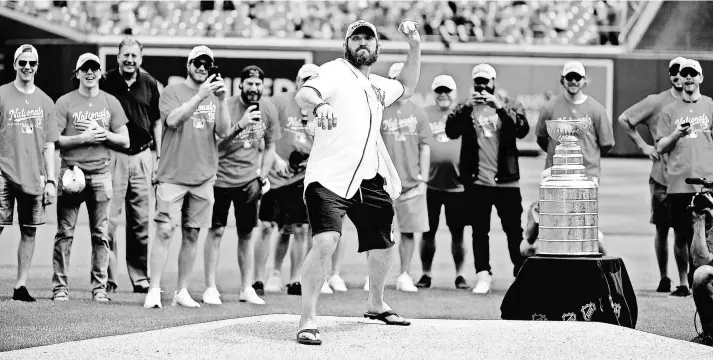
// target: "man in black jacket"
[[489, 169]]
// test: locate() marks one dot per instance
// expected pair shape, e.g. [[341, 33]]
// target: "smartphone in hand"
[[214, 71]]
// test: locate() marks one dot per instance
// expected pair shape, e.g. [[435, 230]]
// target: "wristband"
[[50, 181], [314, 112]]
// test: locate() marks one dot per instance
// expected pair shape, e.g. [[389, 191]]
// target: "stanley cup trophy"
[[568, 207]]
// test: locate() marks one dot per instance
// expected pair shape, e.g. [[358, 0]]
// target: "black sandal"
[[384, 317], [306, 341]]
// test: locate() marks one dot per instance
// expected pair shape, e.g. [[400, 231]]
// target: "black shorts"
[[455, 208], [370, 209], [245, 200], [681, 216], [284, 206], [660, 212]]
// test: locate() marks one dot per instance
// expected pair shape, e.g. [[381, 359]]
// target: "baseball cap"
[[23, 49], [693, 64], [200, 50], [395, 70], [307, 70], [676, 61], [87, 57], [573, 67], [359, 24], [484, 71], [252, 71], [443, 80], [73, 180]]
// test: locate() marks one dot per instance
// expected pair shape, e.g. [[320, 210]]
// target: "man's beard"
[[357, 60], [194, 77], [250, 97]]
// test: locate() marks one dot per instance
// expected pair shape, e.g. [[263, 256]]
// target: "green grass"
[[624, 220]]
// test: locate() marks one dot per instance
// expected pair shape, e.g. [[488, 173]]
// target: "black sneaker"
[[424, 282], [460, 283], [664, 285], [703, 339], [259, 288], [294, 289], [681, 291], [21, 294]]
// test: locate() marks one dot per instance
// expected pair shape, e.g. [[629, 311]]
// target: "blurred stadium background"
[[625, 45]]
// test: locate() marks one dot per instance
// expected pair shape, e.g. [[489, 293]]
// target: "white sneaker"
[[483, 284], [337, 283], [274, 283], [405, 283], [211, 296], [326, 289], [153, 298], [366, 284], [249, 295], [183, 298]]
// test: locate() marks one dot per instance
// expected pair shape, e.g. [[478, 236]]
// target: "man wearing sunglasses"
[[647, 112], [90, 121], [574, 104], [684, 134], [194, 115], [489, 167], [444, 186], [133, 168], [28, 130]]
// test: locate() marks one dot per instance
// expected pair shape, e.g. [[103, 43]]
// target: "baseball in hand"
[[408, 26]]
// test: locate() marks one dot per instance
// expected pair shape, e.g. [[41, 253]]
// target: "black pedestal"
[[572, 289]]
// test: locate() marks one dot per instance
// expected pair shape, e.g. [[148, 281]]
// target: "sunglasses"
[[481, 81], [688, 72], [23, 63], [673, 70], [93, 67], [442, 90], [205, 64], [573, 77]]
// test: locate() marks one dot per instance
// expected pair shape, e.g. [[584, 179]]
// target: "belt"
[[137, 150]]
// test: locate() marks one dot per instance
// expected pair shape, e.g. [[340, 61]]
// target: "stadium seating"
[[513, 22]]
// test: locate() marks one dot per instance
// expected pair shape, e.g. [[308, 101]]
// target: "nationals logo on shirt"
[[439, 131], [102, 117], [24, 117]]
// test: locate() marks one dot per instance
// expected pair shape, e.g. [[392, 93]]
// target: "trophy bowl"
[[567, 131]]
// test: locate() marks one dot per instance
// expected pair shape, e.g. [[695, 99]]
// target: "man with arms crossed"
[[28, 130], [90, 121], [192, 114], [684, 133], [241, 177], [349, 171], [444, 186], [133, 171], [647, 112], [405, 130]]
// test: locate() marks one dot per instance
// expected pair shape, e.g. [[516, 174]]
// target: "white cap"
[[395, 70], [360, 23], [484, 71], [573, 67], [23, 49], [87, 57], [693, 64], [73, 180], [443, 80], [679, 60], [199, 51], [307, 70]]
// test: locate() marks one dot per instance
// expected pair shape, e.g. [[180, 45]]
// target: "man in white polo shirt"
[[349, 171]]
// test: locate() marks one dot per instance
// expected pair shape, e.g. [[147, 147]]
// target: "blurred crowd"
[[588, 22]]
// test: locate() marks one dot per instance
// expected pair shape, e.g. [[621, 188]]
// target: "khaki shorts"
[[412, 214], [193, 203]]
